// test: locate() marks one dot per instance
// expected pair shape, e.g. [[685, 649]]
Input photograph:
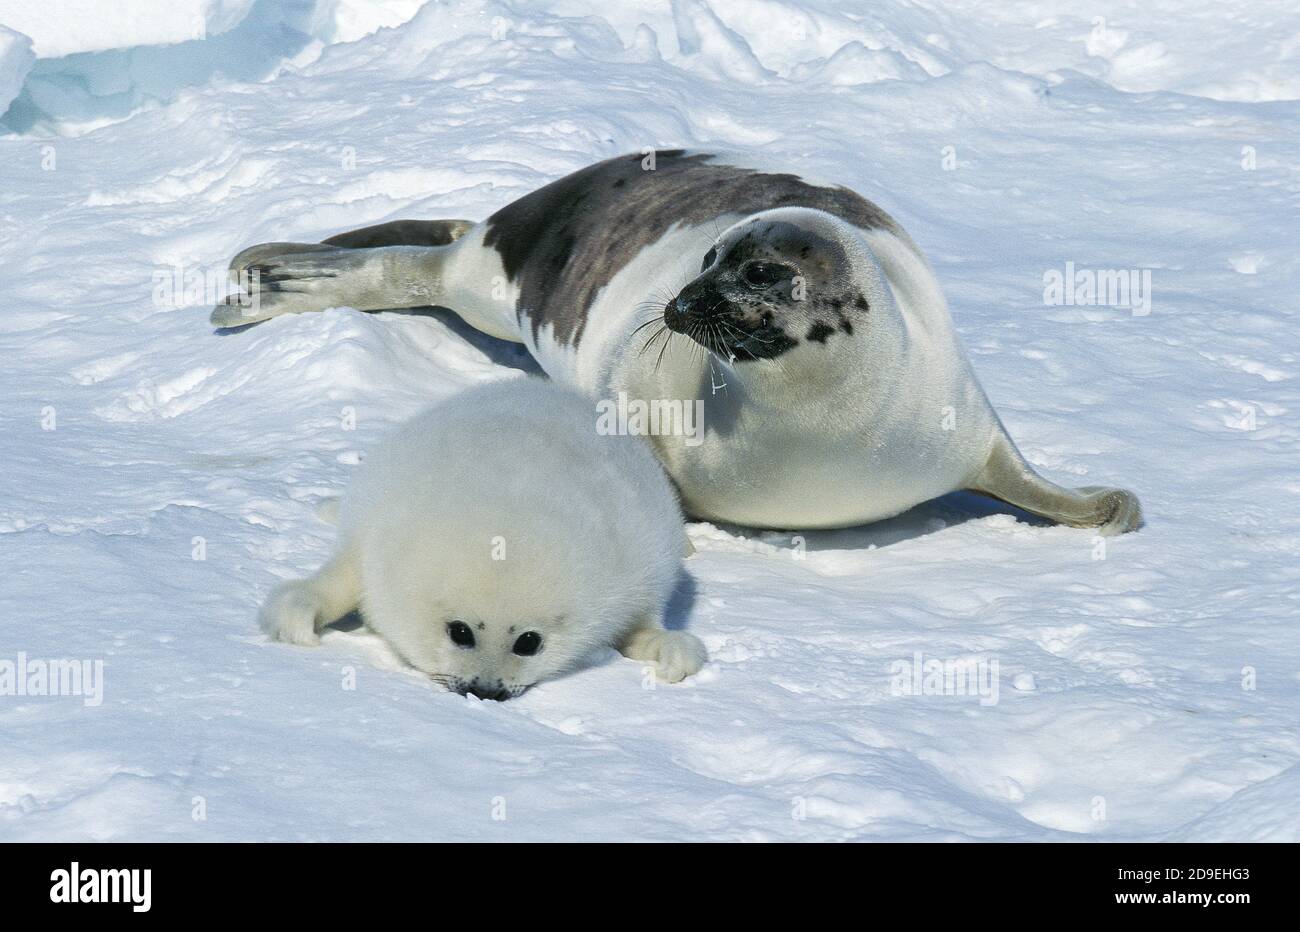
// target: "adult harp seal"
[[835, 390]]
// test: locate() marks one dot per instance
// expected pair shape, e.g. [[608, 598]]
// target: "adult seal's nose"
[[675, 313]]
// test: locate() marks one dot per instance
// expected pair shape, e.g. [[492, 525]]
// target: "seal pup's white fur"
[[498, 521]]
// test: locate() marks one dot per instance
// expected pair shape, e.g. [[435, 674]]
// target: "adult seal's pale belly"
[[797, 320]]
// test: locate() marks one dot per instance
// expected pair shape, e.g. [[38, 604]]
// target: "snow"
[[1147, 690]]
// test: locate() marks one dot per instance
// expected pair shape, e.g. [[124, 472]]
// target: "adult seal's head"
[[785, 282]]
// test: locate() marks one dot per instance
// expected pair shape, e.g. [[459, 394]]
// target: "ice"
[[16, 59], [68, 27], [100, 62]]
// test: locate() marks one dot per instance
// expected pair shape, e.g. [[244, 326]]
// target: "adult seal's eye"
[[460, 634], [528, 643], [764, 274], [709, 258]]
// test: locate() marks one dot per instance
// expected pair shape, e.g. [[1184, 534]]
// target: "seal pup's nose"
[[494, 693]]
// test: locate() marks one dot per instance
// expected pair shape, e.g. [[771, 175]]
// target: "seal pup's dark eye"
[[709, 258], [764, 274], [460, 634], [528, 643]]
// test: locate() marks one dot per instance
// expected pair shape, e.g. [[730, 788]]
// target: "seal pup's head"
[[489, 627], [782, 283]]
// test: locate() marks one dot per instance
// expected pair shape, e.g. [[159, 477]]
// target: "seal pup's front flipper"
[[1007, 477], [297, 609], [675, 654]]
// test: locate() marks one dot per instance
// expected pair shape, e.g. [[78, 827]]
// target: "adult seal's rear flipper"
[[403, 233], [1007, 477], [389, 265]]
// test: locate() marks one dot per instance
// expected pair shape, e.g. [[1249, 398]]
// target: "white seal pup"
[[497, 540], [803, 316]]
